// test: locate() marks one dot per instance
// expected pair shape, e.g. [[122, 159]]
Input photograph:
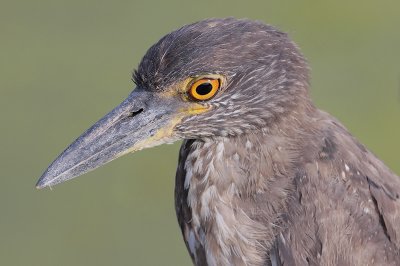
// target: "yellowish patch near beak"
[[196, 109], [165, 134], [177, 89]]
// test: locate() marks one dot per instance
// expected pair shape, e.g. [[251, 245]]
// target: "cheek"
[[213, 124]]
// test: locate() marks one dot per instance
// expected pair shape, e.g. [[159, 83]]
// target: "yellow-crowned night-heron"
[[264, 178]]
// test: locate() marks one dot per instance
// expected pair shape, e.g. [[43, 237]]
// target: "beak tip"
[[47, 179], [41, 183]]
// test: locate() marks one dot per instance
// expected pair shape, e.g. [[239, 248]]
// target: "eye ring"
[[204, 89]]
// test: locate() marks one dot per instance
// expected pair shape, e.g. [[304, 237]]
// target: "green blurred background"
[[64, 64]]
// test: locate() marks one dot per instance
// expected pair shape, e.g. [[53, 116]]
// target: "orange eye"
[[204, 89]]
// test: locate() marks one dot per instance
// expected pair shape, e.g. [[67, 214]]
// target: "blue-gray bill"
[[127, 128]]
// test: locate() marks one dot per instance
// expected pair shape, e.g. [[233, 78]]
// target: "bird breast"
[[225, 184]]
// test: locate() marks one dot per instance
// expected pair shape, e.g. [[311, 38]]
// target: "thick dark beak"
[[142, 120]]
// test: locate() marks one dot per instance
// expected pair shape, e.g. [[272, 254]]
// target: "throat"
[[233, 191]]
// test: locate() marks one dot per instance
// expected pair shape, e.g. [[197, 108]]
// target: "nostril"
[[135, 113]]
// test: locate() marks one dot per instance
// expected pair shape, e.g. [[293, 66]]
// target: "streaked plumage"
[[264, 177]]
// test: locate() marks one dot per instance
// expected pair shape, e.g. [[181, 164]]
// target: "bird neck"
[[236, 189]]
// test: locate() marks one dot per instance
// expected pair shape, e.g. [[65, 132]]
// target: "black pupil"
[[204, 88]]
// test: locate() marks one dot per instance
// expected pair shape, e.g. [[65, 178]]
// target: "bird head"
[[213, 78]]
